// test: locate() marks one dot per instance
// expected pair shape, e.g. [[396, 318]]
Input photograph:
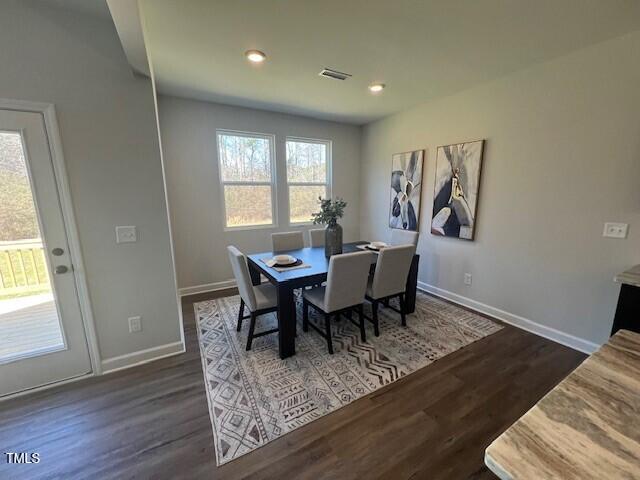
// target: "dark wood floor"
[[152, 421]]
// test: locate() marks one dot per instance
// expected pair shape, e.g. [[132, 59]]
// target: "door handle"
[[57, 251], [60, 269]]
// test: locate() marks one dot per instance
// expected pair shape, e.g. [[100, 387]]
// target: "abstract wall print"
[[406, 188], [456, 188]]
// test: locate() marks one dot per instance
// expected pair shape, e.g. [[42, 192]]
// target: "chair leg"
[[363, 335], [403, 316], [374, 317], [327, 321], [240, 314], [305, 315], [252, 327]]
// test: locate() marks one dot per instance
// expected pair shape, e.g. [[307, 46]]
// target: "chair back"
[[316, 237], [392, 270], [404, 237], [346, 280], [287, 241], [243, 279]]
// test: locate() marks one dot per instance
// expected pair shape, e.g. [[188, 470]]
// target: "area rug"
[[255, 397]]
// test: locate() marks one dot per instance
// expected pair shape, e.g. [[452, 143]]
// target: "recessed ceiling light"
[[376, 87], [255, 56]]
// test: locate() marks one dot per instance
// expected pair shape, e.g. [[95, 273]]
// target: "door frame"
[[48, 112]]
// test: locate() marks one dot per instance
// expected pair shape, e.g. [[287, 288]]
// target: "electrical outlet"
[[467, 279], [126, 234], [615, 230], [135, 324]]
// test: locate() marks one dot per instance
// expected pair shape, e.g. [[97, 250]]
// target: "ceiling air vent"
[[336, 75]]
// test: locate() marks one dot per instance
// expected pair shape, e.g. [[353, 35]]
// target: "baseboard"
[[515, 320], [141, 357], [207, 287]]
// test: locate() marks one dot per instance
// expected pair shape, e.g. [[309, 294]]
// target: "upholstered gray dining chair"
[[259, 299], [316, 237], [287, 241], [344, 292], [389, 280], [404, 237]]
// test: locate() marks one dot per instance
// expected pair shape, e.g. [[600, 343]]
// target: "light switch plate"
[[126, 234], [615, 230]]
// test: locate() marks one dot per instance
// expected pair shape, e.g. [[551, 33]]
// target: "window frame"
[[273, 183], [328, 184]]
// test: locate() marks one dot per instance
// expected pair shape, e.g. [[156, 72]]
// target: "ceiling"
[[421, 49]]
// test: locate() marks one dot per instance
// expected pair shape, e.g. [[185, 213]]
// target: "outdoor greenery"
[[247, 205], [245, 169], [23, 272], [303, 200], [18, 219], [307, 178], [244, 159], [306, 162], [17, 212], [246, 172], [22, 269], [330, 211], [251, 204]]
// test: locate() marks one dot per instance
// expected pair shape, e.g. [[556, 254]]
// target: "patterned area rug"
[[255, 397]]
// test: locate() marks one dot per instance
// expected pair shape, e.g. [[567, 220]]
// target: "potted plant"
[[330, 212]]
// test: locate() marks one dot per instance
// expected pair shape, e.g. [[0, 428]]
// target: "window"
[[247, 178], [308, 174]]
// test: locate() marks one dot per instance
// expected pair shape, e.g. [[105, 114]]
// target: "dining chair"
[[316, 237], [287, 241], [389, 281], [344, 293], [404, 237], [259, 299]]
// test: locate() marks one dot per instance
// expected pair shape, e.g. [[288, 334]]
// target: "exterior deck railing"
[[23, 268]]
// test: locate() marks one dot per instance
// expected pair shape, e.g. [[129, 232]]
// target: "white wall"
[[110, 143], [562, 156], [188, 130]]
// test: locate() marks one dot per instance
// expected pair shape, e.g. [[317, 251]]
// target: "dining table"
[[315, 272]]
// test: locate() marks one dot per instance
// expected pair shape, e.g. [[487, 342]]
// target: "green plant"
[[330, 211]]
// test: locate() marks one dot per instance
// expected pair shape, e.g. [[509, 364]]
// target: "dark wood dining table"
[[286, 282]]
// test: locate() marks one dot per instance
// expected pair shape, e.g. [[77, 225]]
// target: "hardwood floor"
[[152, 421]]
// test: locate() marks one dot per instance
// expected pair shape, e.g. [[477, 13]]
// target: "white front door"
[[42, 336]]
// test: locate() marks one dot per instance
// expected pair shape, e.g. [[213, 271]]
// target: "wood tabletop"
[[587, 427]]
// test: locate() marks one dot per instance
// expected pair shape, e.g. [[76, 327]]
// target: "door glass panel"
[[29, 322]]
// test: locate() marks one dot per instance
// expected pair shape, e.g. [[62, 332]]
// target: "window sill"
[[250, 227], [301, 224]]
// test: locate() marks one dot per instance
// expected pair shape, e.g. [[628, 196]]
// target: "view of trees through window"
[[246, 173], [306, 177], [245, 170]]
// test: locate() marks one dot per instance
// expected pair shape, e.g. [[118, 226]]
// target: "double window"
[[248, 178]]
